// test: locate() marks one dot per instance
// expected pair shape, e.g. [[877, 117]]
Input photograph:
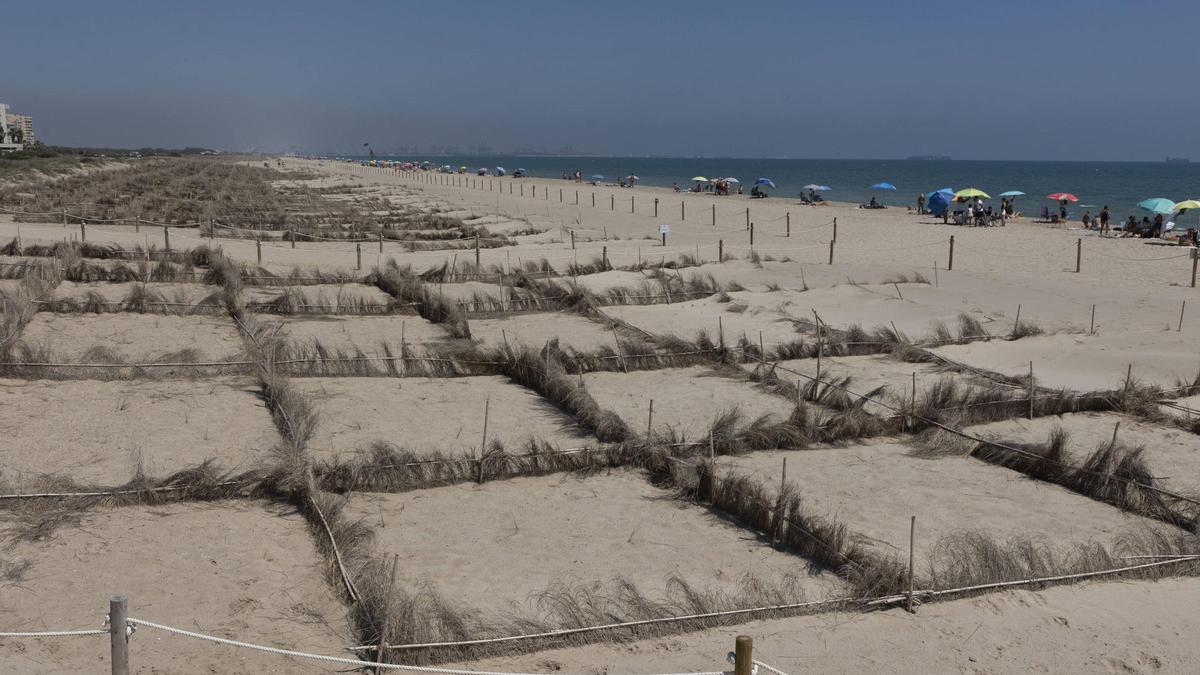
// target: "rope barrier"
[[54, 633]]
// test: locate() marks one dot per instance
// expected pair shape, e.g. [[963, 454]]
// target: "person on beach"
[[1130, 228], [1087, 220], [921, 204], [1104, 221], [1156, 230], [1062, 211], [675, 187]]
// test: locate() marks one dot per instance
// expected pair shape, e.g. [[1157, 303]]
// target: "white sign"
[[664, 229]]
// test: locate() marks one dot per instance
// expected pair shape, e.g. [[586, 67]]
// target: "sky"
[[1055, 79]]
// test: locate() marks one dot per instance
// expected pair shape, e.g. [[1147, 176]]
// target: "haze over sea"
[[1120, 185]]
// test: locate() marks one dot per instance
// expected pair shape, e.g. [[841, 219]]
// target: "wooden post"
[[1017, 322], [831, 243], [476, 252], [656, 207], [899, 294], [293, 237], [82, 231], [166, 238], [572, 240], [64, 217], [577, 198], [720, 332], [604, 258], [1078, 254], [743, 655], [835, 229], [751, 228], [258, 249], [950, 266], [747, 217], [912, 405], [612, 202], [650, 421], [358, 252], [487, 404], [912, 536], [118, 635], [631, 207], [714, 215], [820, 351], [1092, 326], [1181, 310], [1195, 261], [720, 250], [789, 224], [1128, 378], [664, 239], [381, 242], [593, 200], [1031, 390]]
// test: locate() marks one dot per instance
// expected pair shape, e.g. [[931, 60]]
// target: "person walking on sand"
[[921, 204], [1104, 221]]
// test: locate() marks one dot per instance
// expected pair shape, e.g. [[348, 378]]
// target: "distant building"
[[14, 126]]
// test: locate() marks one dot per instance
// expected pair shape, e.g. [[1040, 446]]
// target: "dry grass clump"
[[967, 559], [313, 358], [545, 374], [37, 519], [400, 283], [780, 516], [386, 467], [291, 301], [1115, 473]]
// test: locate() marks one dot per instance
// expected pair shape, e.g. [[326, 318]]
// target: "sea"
[[1119, 185]]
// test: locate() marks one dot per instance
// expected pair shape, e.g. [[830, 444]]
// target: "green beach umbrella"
[[1189, 204], [1158, 205], [971, 192]]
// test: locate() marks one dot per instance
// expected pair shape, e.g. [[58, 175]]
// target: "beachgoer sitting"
[[804, 199]]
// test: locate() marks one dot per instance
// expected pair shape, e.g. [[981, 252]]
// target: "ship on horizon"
[[928, 158]]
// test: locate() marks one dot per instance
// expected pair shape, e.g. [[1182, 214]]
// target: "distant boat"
[[929, 158], [1178, 160]]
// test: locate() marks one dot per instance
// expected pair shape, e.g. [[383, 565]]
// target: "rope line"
[[54, 633]]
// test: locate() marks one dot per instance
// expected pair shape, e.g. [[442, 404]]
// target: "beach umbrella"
[[881, 187], [939, 202], [1158, 205], [949, 192], [699, 179], [1188, 204], [813, 186], [1062, 196], [765, 181], [597, 176], [634, 178], [1012, 193], [967, 193], [731, 179], [822, 188]]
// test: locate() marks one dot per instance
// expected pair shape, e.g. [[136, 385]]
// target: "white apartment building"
[[11, 122]]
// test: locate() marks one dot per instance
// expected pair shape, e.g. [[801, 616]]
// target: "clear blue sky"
[[1070, 79]]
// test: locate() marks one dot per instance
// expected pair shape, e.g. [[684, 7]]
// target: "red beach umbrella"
[[1063, 196]]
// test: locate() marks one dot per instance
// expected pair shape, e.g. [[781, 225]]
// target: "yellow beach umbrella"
[[971, 192], [1188, 204]]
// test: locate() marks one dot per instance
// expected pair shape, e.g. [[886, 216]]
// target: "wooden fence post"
[[789, 224], [118, 635], [720, 250], [912, 537], [752, 235], [656, 207], [747, 217], [743, 655], [835, 229], [258, 249], [358, 252], [950, 266], [1078, 254], [476, 252], [381, 242], [82, 231], [831, 243], [166, 238]]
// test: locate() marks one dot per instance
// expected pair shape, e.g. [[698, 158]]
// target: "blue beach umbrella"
[[823, 188], [939, 202], [597, 176], [881, 187], [1157, 205], [945, 190], [500, 171], [765, 181], [1012, 193]]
